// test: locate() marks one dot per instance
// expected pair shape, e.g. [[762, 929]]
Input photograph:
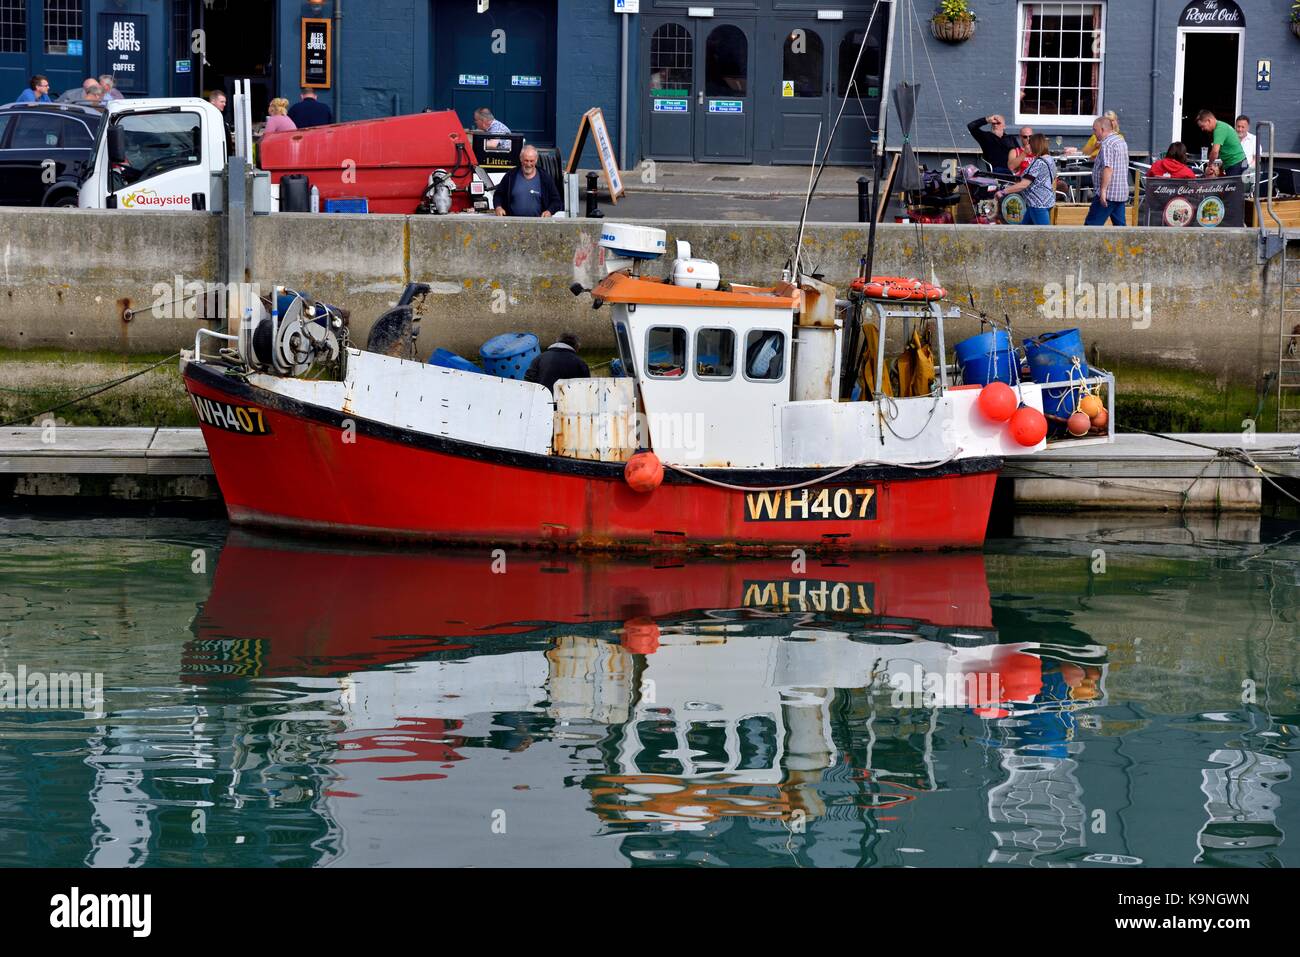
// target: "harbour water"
[[1092, 693]]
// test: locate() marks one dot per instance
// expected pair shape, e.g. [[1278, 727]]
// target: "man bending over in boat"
[[526, 191], [559, 361]]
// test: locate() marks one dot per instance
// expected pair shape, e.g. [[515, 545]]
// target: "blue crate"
[[347, 204]]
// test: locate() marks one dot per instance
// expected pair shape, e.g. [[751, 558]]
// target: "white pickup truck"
[[156, 155]]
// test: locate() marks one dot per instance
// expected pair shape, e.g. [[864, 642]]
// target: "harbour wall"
[[1187, 299]]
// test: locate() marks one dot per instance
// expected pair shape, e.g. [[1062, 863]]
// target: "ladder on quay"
[[1284, 244], [1288, 350]]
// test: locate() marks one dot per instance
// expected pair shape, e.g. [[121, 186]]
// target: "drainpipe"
[[338, 61], [622, 100], [1155, 73]]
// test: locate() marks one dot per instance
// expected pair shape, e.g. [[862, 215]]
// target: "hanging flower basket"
[[952, 31]]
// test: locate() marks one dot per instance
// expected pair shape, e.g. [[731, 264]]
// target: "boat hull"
[[290, 465]]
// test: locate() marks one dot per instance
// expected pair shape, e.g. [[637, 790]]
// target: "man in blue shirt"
[[310, 111], [38, 90]]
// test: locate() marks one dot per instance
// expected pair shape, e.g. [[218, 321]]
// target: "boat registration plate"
[[243, 419], [846, 503]]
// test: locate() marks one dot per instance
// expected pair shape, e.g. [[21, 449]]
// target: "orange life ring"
[[899, 288]]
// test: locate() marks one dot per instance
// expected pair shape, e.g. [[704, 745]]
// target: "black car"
[[43, 149]]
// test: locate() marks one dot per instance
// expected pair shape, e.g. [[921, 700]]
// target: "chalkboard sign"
[[315, 53], [1194, 202], [124, 51], [593, 122]]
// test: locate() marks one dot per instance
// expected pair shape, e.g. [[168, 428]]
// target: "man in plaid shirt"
[[1109, 176]]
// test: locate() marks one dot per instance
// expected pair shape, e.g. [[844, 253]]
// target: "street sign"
[[627, 6]]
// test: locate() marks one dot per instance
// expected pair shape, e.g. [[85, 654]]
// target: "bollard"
[[864, 199], [593, 212]]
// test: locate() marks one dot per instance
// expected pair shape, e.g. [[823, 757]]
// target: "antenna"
[[807, 201]]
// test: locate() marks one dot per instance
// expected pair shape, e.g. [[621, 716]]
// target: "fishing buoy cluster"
[[997, 402], [644, 472], [1090, 415]]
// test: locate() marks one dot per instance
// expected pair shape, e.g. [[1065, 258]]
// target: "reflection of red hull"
[[277, 609], [392, 483]]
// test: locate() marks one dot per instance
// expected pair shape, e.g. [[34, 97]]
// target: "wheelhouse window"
[[715, 354], [665, 352], [1059, 62], [672, 58], [764, 355]]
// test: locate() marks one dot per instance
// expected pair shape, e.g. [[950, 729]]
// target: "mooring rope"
[[94, 392], [919, 467]]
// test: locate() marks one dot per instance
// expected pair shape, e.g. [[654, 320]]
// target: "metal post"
[[622, 102], [864, 199], [337, 53], [234, 247], [593, 211]]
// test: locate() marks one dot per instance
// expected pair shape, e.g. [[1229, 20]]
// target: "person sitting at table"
[[1247, 138], [1091, 147], [995, 142], [1038, 183], [1174, 165]]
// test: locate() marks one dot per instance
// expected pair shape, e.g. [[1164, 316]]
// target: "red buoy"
[[997, 401], [1078, 424], [643, 472], [1028, 426], [1100, 420]]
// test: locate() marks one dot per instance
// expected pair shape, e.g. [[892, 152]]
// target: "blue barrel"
[[509, 354], [986, 358], [449, 360], [1051, 359]]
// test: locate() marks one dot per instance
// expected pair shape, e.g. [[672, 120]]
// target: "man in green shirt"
[[1227, 147]]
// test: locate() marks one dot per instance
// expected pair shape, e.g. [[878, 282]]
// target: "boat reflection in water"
[[691, 696]]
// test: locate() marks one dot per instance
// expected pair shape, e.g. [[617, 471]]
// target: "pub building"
[[737, 81]]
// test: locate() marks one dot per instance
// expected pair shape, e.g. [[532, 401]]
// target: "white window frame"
[[1054, 119]]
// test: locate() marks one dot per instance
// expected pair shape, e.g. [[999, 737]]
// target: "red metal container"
[[388, 160]]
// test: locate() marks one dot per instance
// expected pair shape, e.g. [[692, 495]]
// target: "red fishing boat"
[[736, 427]]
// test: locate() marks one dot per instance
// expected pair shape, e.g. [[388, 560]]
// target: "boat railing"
[[198, 341]]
